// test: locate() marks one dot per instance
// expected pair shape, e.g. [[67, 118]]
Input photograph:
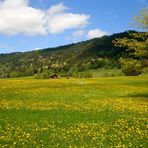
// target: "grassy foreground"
[[101, 112]]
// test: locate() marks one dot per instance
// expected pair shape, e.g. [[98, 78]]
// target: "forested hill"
[[91, 54]]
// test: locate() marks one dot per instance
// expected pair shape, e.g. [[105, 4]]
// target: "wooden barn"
[[54, 76]]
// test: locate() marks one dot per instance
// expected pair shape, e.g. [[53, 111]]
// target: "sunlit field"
[[100, 112]]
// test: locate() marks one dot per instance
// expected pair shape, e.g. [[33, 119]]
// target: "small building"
[[54, 76]]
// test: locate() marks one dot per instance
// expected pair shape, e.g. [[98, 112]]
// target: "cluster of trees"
[[103, 52], [136, 45], [92, 54]]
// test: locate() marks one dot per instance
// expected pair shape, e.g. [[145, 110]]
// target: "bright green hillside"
[[100, 112]]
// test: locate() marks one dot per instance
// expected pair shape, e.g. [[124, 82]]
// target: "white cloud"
[[90, 34], [95, 33], [76, 36], [36, 49], [18, 17], [59, 19], [55, 9]]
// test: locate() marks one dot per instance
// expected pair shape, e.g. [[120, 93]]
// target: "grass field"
[[99, 112]]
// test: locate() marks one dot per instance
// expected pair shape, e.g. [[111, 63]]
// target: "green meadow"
[[74, 113]]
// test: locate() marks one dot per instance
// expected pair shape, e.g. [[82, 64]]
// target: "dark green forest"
[[105, 52]]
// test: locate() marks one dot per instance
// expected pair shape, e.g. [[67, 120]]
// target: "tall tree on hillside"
[[142, 19], [136, 46]]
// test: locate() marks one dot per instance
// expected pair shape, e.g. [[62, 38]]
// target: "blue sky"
[[32, 24]]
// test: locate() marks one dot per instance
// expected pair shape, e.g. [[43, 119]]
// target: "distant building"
[[54, 76]]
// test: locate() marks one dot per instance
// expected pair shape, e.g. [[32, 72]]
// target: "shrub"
[[131, 67], [145, 70], [14, 74], [43, 75], [82, 75]]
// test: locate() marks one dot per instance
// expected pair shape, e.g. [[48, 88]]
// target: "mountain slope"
[[81, 56]]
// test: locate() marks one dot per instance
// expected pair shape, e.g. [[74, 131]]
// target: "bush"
[[103, 63], [43, 75], [82, 75], [107, 74], [145, 70], [14, 74], [131, 67], [4, 74]]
